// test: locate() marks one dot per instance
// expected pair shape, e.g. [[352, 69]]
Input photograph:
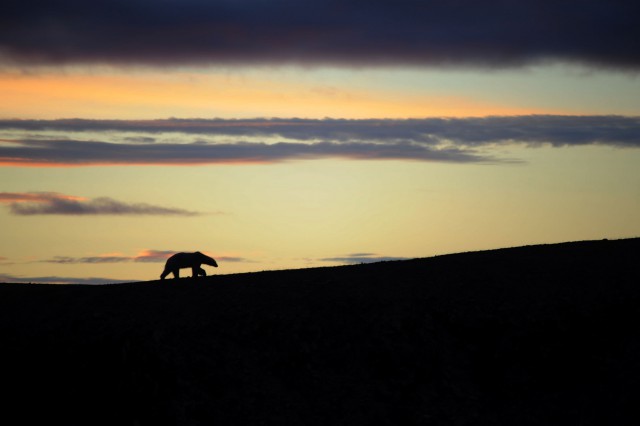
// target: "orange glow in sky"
[[150, 96], [36, 197]]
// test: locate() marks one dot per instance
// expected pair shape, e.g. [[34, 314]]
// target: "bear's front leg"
[[164, 274]]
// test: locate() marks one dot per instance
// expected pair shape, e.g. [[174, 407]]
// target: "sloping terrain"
[[537, 335]]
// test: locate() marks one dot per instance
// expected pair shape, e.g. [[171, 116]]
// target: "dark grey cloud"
[[355, 258], [7, 278], [234, 259], [51, 203], [554, 129], [354, 32], [461, 140], [84, 153], [92, 259], [146, 256], [160, 256], [140, 139]]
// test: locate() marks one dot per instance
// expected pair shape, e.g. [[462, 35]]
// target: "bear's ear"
[[198, 252]]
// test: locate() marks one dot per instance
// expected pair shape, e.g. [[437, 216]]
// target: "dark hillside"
[[538, 335]]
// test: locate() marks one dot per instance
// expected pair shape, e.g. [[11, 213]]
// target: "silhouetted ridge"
[[538, 335]]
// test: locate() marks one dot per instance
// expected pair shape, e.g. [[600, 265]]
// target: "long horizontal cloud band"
[[225, 141], [362, 258], [554, 129], [79, 153], [488, 33], [5, 278]]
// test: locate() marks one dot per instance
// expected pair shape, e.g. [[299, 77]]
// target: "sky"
[[278, 134]]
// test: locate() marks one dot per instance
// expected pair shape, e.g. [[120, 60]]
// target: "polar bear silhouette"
[[187, 260]]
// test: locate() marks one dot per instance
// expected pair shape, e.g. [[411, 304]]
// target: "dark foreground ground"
[[540, 335]]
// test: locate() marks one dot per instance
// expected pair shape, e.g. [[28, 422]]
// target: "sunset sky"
[[279, 134]]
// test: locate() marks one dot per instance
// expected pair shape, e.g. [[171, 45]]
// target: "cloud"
[[52, 203], [19, 197], [355, 258], [160, 256], [491, 33], [228, 141], [145, 256], [6, 278], [87, 153], [233, 259], [94, 259], [555, 129], [153, 256]]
